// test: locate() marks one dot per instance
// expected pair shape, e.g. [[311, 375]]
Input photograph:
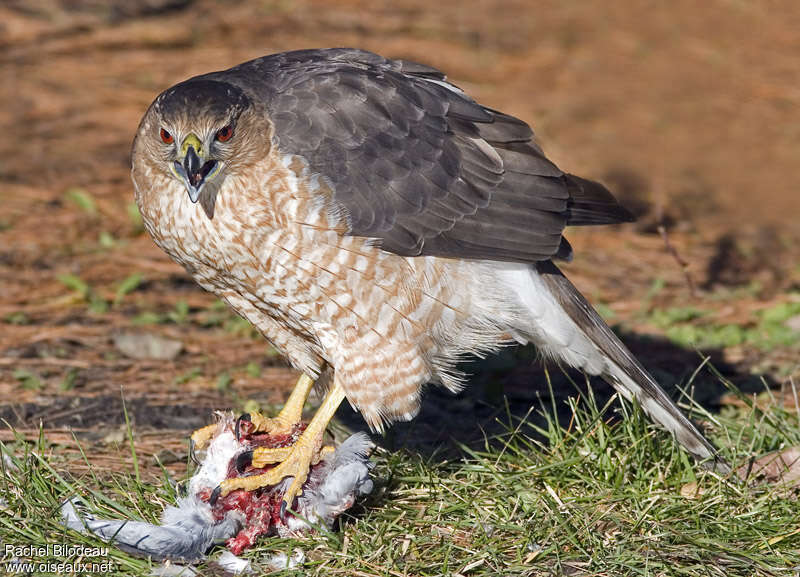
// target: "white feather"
[[556, 334], [548, 326]]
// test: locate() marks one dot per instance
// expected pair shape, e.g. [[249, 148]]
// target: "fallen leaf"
[[116, 437], [692, 491], [793, 323], [147, 346], [775, 467]]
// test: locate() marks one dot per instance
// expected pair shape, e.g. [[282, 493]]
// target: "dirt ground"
[[689, 111]]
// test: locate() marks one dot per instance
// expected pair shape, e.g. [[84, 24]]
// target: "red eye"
[[166, 137], [225, 133]]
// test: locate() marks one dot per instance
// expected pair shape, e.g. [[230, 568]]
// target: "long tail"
[[568, 328]]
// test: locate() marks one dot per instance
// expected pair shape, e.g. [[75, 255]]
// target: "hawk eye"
[[166, 137], [225, 133]]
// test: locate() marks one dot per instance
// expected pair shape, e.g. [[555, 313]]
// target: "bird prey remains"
[[376, 225]]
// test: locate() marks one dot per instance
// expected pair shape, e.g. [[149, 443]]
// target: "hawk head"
[[199, 131]]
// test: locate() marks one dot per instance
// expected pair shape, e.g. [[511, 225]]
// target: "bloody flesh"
[[260, 508]]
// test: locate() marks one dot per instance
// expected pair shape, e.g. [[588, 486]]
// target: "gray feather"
[[189, 530], [415, 162], [625, 373], [592, 203], [187, 533]]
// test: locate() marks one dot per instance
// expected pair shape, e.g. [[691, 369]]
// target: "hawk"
[[376, 224]]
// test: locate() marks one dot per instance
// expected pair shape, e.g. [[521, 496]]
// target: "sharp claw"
[[294, 490], [212, 500], [192, 454], [242, 417], [243, 460]]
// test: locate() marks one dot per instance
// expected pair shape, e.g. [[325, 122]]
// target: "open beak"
[[195, 169]]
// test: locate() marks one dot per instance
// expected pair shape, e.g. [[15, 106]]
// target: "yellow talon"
[[283, 423], [293, 461], [273, 425], [201, 436], [324, 452], [290, 415], [294, 464], [263, 456]]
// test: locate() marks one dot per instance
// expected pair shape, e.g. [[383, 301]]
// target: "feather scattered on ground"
[[190, 528]]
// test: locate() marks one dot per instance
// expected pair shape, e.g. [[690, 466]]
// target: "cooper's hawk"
[[369, 217]]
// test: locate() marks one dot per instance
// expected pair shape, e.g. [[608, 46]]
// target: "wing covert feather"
[[416, 163]]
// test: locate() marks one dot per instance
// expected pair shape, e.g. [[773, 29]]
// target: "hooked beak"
[[196, 169]]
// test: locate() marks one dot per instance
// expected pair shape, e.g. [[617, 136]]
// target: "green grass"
[[82, 199], [217, 315], [693, 327], [596, 495]]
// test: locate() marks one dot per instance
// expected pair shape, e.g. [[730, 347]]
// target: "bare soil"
[[689, 111]]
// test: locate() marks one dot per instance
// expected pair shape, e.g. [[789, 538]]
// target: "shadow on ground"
[[104, 412], [502, 390], [513, 385]]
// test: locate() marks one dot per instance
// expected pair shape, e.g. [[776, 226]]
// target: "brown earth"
[[689, 111]]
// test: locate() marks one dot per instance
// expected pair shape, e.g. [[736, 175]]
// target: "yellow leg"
[[199, 439], [263, 456], [291, 413], [201, 436], [296, 460], [289, 416]]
